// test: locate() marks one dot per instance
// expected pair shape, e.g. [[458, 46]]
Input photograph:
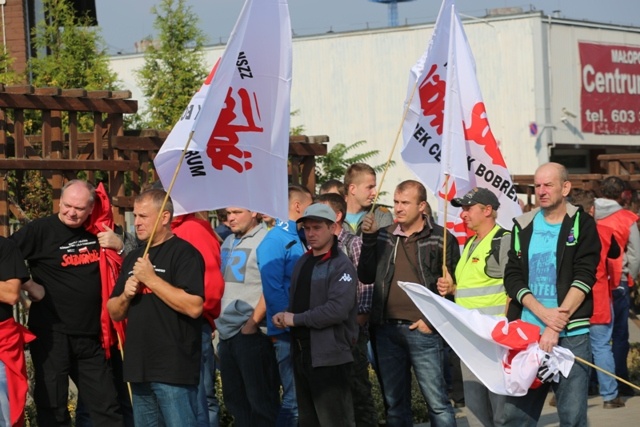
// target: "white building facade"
[[554, 89]]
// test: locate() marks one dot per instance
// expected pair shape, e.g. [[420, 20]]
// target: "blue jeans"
[[571, 392], [208, 407], [288, 415], [250, 379], [620, 335], [160, 404], [399, 349], [603, 358], [5, 420]]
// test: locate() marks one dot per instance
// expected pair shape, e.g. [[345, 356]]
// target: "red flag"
[[14, 337], [110, 264]]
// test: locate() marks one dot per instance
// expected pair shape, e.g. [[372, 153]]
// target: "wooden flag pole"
[[121, 345], [444, 234], [393, 148], [581, 360], [166, 197]]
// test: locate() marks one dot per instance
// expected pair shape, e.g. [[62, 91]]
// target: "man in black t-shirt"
[[161, 295], [65, 291]]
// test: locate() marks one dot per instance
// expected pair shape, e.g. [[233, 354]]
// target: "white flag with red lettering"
[[446, 130], [240, 122], [505, 356]]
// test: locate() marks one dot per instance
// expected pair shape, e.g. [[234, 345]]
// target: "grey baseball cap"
[[477, 195], [319, 211]]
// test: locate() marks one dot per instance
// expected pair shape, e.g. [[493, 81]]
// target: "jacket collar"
[[253, 231], [290, 226], [426, 230], [525, 219], [333, 252]]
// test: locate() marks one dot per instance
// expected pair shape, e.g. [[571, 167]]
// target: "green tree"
[[335, 163], [296, 130], [7, 75], [174, 65], [71, 53]]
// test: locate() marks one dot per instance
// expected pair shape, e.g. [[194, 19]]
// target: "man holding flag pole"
[[480, 287], [160, 293], [410, 250], [237, 133]]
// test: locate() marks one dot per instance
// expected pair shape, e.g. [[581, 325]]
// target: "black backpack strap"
[[496, 242]]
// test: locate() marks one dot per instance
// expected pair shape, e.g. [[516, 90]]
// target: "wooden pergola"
[[625, 166], [120, 155]]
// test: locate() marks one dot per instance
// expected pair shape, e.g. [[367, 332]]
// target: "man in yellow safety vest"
[[480, 286]]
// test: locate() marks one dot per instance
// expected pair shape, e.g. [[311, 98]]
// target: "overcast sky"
[[123, 22]]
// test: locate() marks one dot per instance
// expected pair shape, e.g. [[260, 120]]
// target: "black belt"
[[398, 322]]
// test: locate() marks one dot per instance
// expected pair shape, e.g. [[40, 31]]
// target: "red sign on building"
[[610, 94]]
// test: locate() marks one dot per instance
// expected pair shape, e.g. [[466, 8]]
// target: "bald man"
[[554, 253], [65, 290]]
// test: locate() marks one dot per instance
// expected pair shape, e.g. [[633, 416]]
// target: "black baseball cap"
[[475, 196]]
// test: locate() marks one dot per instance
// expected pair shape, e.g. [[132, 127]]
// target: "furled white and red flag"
[[504, 356], [446, 130], [240, 122]]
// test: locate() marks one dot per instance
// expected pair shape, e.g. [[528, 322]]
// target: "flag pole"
[[166, 197], [153, 232], [444, 234], [581, 360], [393, 148], [121, 345]]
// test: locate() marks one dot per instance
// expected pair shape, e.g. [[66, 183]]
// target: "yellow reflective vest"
[[475, 289]]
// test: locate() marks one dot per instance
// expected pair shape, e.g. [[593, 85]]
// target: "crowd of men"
[[298, 308]]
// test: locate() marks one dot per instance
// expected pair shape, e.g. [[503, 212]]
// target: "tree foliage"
[[335, 163], [31, 193], [7, 74], [71, 53], [296, 130], [174, 65]]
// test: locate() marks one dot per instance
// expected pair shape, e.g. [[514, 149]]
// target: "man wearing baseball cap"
[[322, 319], [480, 286]]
